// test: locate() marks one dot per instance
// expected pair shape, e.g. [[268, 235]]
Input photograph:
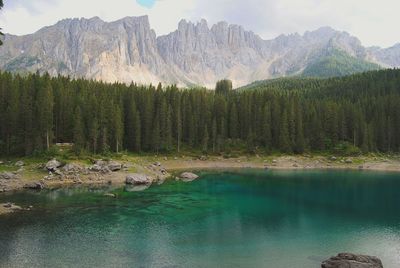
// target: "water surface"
[[276, 219]]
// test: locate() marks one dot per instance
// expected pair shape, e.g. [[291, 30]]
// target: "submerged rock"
[[110, 195], [349, 260], [136, 188], [138, 179], [12, 206], [188, 176]]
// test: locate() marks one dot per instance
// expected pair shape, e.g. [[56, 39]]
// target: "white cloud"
[[374, 22]]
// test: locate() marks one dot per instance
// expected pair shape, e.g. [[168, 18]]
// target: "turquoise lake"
[[247, 218]]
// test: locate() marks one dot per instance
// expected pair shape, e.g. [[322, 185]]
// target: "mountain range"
[[128, 50]]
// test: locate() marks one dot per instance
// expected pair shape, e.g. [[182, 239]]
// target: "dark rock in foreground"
[[348, 260]]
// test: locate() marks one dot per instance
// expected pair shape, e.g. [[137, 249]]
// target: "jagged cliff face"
[[128, 50]]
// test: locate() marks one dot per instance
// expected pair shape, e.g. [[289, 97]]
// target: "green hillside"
[[338, 63]]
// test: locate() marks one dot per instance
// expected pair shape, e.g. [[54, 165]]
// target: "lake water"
[[276, 219]]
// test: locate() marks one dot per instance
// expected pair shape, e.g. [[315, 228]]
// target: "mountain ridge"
[[128, 50]]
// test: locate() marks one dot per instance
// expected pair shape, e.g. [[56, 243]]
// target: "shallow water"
[[276, 219]]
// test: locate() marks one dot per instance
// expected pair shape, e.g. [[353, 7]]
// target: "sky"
[[375, 23]]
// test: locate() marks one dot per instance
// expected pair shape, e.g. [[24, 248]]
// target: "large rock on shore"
[[53, 164], [349, 260], [138, 179], [105, 166], [114, 166], [188, 176]]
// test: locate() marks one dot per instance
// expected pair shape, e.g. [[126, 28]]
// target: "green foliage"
[[338, 63], [346, 149], [342, 115], [223, 87]]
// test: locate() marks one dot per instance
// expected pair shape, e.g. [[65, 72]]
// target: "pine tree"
[[79, 136], [214, 134], [205, 139], [44, 113], [233, 122], [284, 139]]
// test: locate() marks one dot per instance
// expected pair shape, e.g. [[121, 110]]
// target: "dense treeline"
[[359, 111]]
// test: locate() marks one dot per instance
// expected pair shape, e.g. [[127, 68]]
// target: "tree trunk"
[[47, 140]]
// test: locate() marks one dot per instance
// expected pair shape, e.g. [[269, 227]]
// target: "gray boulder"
[[114, 166], [349, 260], [138, 179], [72, 168], [105, 170], [106, 167], [188, 176], [53, 164]]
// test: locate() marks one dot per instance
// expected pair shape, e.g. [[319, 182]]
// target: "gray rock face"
[[188, 176], [53, 164], [348, 260], [138, 179], [388, 57], [128, 50]]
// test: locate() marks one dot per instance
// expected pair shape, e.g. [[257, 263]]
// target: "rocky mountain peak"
[[128, 50]]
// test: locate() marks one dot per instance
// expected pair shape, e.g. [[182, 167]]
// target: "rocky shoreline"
[[55, 173]]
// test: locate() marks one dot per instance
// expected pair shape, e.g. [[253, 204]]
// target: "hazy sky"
[[373, 22]]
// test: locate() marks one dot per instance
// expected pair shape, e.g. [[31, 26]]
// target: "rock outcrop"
[[348, 260], [128, 50]]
